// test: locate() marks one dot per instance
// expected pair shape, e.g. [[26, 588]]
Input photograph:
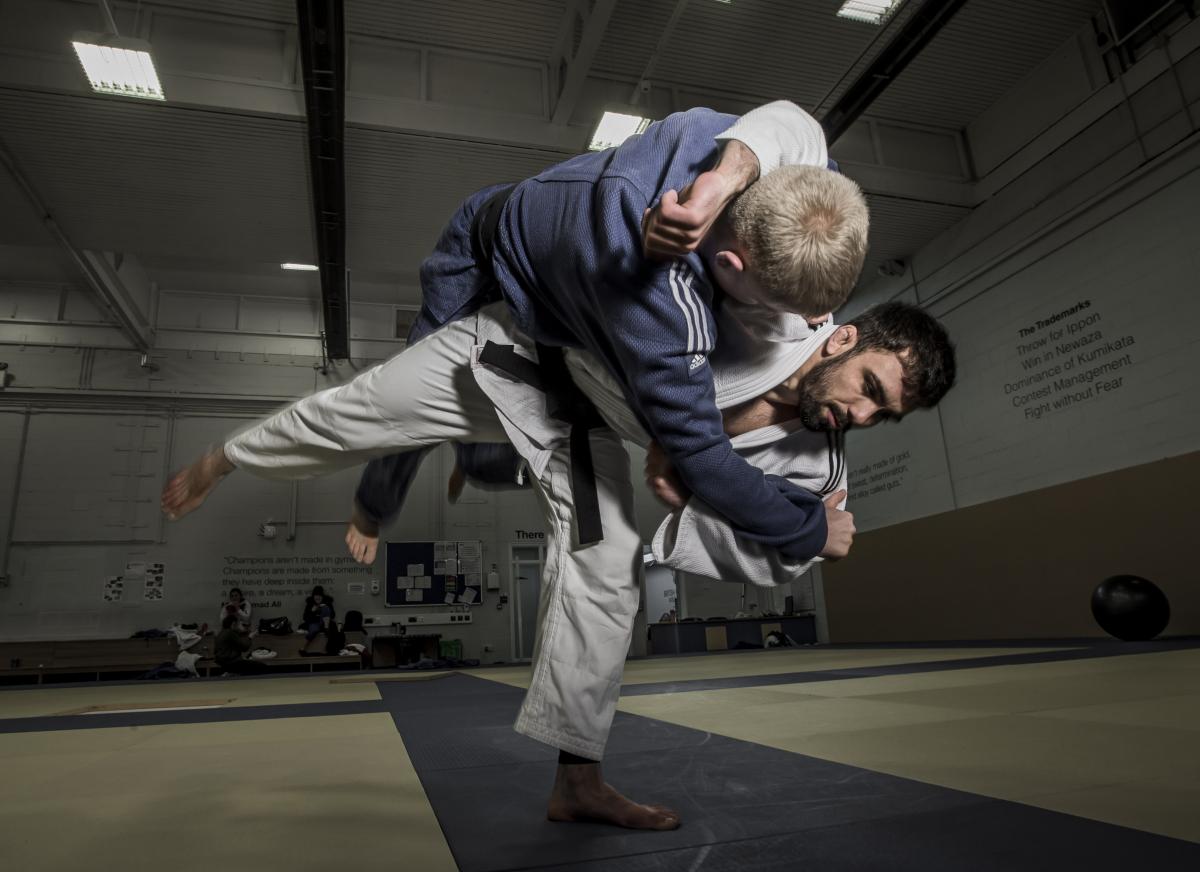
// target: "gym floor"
[[1071, 755]]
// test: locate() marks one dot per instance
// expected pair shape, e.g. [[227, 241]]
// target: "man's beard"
[[813, 390]]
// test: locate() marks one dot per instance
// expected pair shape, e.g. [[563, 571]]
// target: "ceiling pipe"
[[323, 61], [922, 26]]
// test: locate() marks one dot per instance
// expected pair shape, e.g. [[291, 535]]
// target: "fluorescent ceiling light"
[[118, 65], [614, 128], [303, 267], [870, 11]]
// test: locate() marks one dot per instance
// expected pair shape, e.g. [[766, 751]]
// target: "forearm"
[[761, 508], [738, 168], [697, 540]]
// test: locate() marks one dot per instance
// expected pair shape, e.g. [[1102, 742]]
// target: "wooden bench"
[[283, 662], [95, 657], [98, 658]]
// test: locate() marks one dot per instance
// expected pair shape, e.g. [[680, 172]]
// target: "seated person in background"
[[318, 613], [236, 607], [231, 647]]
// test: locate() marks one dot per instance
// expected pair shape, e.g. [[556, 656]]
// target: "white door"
[[526, 561]]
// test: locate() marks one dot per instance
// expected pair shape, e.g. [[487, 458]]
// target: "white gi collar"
[[745, 366]]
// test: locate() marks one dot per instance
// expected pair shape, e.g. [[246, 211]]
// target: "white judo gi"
[[438, 391]]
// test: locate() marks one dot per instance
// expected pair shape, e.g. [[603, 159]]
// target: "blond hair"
[[804, 233]]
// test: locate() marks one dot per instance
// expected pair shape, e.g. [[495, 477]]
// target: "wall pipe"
[[16, 495]]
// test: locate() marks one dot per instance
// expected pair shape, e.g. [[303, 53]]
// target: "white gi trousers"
[[428, 394]]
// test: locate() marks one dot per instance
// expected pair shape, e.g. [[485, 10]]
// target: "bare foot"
[[456, 483], [188, 488], [580, 794], [362, 537]]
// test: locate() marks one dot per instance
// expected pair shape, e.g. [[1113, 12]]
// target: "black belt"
[[568, 403], [484, 225], [549, 375]]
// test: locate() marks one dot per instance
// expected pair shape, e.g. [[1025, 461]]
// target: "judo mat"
[[1070, 756]]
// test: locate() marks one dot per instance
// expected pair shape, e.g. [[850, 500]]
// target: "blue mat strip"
[[189, 716], [744, 806], [83, 722], [1098, 651]]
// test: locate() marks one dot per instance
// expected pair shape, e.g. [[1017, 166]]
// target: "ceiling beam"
[[323, 63], [664, 38], [595, 23], [100, 275]]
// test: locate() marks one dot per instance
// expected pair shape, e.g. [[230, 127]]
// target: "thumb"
[[834, 498], [670, 198]]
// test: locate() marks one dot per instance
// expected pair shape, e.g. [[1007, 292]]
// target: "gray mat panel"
[[990, 837], [725, 791]]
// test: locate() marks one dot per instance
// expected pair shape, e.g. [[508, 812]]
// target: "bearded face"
[[815, 408]]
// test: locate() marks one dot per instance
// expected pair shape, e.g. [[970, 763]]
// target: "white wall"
[[102, 435], [1094, 215]]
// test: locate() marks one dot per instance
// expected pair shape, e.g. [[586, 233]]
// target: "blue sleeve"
[[496, 465], [660, 328], [385, 482]]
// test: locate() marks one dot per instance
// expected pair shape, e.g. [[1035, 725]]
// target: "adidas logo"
[[697, 362]]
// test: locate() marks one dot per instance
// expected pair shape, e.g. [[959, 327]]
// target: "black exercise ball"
[[1130, 608]]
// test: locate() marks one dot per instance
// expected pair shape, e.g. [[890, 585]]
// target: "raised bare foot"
[[188, 488], [456, 483], [580, 794], [362, 537]]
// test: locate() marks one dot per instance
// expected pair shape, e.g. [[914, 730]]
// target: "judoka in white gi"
[[786, 405]]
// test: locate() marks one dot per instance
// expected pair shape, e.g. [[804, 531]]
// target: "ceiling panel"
[[757, 48], [805, 53], [981, 53], [516, 28], [900, 228], [126, 176], [19, 222], [401, 189], [633, 30], [277, 11]]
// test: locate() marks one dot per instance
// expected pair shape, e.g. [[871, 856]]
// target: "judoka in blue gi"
[[564, 249]]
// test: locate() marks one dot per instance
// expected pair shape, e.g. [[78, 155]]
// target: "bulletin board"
[[433, 573]]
